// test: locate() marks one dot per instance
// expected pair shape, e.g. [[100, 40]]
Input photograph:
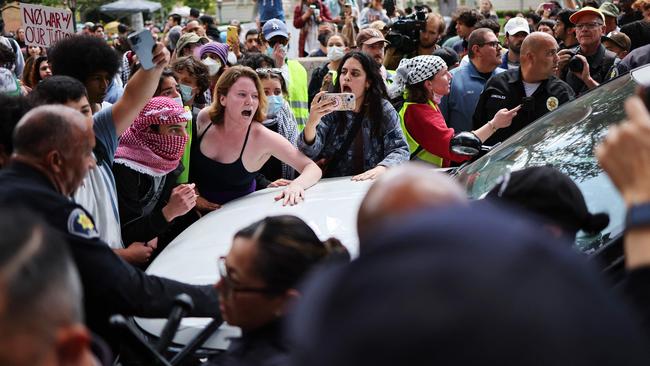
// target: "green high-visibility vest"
[[413, 145], [297, 88]]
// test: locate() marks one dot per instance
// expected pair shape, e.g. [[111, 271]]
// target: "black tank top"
[[219, 182]]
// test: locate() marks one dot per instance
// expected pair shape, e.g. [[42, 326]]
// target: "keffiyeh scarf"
[[149, 152], [415, 70]]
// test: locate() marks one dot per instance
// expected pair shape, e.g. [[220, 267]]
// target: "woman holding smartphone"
[[362, 142], [232, 144]]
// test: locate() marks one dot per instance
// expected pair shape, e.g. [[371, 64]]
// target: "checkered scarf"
[[149, 152], [415, 70]]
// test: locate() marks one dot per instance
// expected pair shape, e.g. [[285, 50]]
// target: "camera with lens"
[[404, 34], [575, 64]]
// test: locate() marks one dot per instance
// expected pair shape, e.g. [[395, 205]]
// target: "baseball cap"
[[370, 36], [546, 191], [609, 9], [619, 38], [516, 25], [190, 38], [584, 11], [274, 27]]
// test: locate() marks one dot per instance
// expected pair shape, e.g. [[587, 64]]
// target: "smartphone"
[[232, 35], [342, 101], [142, 43]]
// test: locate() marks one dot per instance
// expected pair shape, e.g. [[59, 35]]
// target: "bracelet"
[[494, 129]]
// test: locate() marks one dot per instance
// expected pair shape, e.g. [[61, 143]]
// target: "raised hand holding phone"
[[142, 43]]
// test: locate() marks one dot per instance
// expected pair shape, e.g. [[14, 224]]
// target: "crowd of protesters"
[[104, 161]]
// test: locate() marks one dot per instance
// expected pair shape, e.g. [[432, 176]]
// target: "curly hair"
[[469, 17], [640, 4], [79, 56], [374, 95], [196, 69], [256, 60]]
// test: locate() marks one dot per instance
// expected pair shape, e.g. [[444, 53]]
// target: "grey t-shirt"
[[97, 194]]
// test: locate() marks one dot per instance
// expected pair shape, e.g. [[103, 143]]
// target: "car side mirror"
[[466, 144]]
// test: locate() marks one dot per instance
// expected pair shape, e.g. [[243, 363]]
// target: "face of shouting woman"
[[242, 100]]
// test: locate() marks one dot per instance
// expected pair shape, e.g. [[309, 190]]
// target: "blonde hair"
[[640, 4], [226, 80]]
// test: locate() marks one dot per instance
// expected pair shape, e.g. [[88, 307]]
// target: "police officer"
[[44, 170], [533, 85]]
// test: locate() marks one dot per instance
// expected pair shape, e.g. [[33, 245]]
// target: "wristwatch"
[[638, 216]]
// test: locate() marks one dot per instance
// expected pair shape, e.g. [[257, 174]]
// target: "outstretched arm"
[[310, 173], [139, 90]]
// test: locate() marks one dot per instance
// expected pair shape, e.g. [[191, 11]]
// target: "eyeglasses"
[[494, 44], [264, 71], [592, 25], [229, 286]]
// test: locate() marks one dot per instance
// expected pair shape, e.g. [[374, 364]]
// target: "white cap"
[[516, 25]]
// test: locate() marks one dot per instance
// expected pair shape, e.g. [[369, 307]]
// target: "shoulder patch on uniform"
[[80, 224]]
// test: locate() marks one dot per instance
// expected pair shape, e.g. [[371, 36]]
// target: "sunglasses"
[[265, 71]]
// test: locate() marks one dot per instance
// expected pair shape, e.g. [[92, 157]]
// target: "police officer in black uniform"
[[44, 170], [532, 85]]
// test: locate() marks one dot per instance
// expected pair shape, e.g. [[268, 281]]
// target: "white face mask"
[[232, 58], [179, 100], [213, 66], [335, 53]]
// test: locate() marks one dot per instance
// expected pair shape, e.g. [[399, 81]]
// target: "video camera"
[[404, 32]]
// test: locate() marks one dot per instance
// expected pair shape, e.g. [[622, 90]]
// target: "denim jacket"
[[388, 150]]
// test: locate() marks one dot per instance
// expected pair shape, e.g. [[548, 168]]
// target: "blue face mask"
[[186, 92], [269, 50], [275, 103]]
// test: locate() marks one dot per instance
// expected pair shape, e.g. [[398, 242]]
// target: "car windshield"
[[566, 139]]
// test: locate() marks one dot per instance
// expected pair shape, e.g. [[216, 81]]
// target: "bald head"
[[59, 141], [47, 128], [536, 40], [539, 59], [403, 190]]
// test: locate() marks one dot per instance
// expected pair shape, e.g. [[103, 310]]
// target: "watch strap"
[[638, 216]]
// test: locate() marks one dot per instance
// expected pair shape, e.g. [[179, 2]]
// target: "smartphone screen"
[[142, 43], [342, 101], [231, 35]]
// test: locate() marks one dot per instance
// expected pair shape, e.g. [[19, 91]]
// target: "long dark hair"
[[374, 96], [287, 248], [417, 93]]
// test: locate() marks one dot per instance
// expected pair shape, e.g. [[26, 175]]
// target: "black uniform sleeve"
[[112, 286], [136, 226]]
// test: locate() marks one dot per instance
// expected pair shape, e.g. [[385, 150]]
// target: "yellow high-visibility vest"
[[413, 145]]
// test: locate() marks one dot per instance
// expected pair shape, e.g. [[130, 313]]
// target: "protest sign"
[[44, 25]]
